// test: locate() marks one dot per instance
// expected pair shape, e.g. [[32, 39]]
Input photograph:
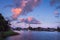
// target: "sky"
[[43, 12]]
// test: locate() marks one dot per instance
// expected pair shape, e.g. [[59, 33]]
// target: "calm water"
[[36, 35]]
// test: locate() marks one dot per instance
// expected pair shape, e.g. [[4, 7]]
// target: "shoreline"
[[6, 34]]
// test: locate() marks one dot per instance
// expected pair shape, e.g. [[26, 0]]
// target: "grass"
[[7, 34]]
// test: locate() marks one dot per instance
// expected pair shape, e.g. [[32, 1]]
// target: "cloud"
[[23, 7], [30, 20], [54, 2], [22, 19], [16, 12]]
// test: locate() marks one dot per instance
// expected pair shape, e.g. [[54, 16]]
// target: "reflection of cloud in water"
[[35, 35]]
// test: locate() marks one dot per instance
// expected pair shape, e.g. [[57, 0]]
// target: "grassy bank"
[[7, 34]]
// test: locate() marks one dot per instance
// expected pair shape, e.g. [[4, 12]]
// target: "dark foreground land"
[[3, 35], [5, 29]]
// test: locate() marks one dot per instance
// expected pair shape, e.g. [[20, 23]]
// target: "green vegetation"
[[5, 29], [8, 33], [4, 25]]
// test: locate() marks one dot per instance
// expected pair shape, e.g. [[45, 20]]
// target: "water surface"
[[35, 35]]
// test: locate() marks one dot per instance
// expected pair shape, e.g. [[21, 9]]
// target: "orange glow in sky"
[[16, 12], [29, 19]]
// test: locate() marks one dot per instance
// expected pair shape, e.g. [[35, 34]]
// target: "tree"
[[4, 25], [58, 29], [39, 28], [18, 28], [30, 28]]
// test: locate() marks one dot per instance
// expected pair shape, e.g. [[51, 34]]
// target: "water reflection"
[[36, 35]]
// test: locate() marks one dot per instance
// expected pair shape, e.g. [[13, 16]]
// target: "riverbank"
[[7, 34]]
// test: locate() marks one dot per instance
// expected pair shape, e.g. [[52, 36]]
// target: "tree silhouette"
[[58, 29], [30, 28], [4, 25]]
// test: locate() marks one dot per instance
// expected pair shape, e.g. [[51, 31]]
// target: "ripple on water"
[[36, 35]]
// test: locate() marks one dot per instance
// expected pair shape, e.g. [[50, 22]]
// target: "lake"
[[36, 35]]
